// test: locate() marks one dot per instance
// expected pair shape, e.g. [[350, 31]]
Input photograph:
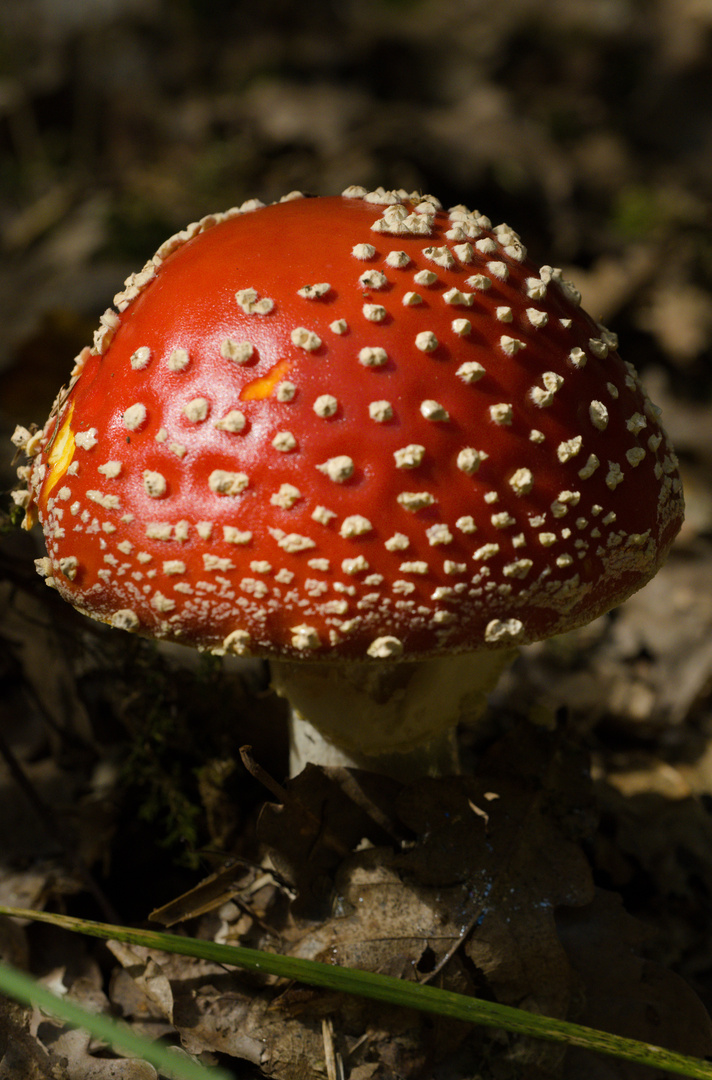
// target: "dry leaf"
[[321, 822], [625, 994], [492, 857]]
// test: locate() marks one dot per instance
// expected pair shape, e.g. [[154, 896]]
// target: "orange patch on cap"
[[59, 455], [262, 388]]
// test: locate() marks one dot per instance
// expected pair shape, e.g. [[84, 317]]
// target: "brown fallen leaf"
[[518, 864], [325, 815], [492, 857], [381, 923], [666, 843], [625, 994]]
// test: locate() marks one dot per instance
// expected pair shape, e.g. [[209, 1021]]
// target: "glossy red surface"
[[448, 588]]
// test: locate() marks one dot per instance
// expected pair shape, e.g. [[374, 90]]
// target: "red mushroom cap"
[[352, 426]]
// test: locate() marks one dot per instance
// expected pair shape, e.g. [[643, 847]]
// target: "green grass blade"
[[21, 987], [384, 988]]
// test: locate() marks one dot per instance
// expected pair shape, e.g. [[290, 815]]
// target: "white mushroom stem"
[[399, 719]]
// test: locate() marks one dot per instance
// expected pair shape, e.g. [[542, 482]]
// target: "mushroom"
[[361, 437]]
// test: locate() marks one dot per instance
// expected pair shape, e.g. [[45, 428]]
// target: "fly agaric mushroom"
[[364, 438]]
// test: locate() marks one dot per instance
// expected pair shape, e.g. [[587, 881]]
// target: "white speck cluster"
[[301, 454]]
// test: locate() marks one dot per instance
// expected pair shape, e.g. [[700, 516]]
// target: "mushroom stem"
[[438, 757], [393, 718]]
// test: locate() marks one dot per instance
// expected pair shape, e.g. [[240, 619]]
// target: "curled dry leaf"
[[73, 1046], [625, 994], [326, 814]]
